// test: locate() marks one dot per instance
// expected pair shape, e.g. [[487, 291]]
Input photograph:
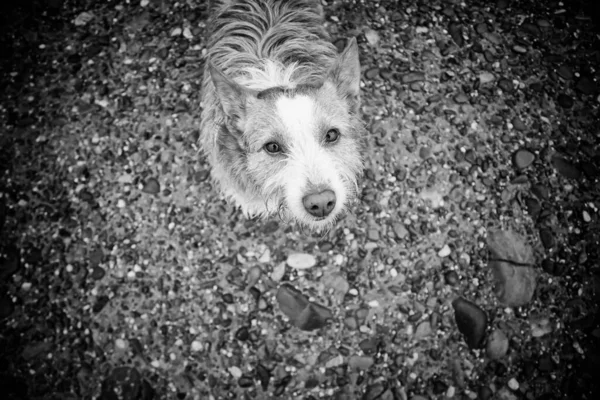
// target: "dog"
[[280, 124]]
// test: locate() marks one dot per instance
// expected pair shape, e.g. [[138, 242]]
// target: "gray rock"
[[511, 261]]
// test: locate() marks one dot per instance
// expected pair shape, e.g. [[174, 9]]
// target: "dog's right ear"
[[232, 96]]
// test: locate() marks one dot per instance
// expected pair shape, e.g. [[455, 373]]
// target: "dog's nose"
[[319, 204]]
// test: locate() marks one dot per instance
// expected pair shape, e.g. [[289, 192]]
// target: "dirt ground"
[[469, 269]]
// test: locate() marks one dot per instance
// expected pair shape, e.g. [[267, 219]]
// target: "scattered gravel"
[[124, 274]]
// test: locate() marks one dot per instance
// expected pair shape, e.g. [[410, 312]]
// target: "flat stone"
[[414, 76], [497, 344], [360, 363], [486, 77], [547, 238], [373, 234], [512, 260], [518, 124], [400, 230], [301, 260], [455, 30], [543, 23], [369, 345], [461, 98], [151, 186], [291, 301], [523, 158], [471, 321], [540, 191], [565, 101], [493, 37], [264, 376], [519, 49], [95, 257], [565, 72], [425, 152], [302, 313], [372, 73], [423, 330]]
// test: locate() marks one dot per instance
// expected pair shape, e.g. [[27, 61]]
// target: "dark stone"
[[98, 273], [263, 375], [506, 85], [101, 301], [565, 168], [471, 321], [451, 278], [523, 158], [455, 30], [540, 191], [547, 238], [565, 101], [374, 391], [242, 333], [586, 86], [245, 381], [533, 207], [151, 186], [369, 346]]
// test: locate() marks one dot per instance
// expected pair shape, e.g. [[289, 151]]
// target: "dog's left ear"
[[232, 96], [345, 74]]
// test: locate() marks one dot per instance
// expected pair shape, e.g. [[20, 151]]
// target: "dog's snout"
[[319, 204]]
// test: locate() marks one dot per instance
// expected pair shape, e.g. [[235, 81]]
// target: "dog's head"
[[297, 148]]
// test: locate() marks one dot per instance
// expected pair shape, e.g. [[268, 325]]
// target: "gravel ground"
[[469, 269]]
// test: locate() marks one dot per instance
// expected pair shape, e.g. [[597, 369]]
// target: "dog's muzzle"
[[319, 204]]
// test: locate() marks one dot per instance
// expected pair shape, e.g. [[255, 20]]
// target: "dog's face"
[[298, 149]]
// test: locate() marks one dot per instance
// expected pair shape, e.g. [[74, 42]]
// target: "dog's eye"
[[332, 135], [273, 147]]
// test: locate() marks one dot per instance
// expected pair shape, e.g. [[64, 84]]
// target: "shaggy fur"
[[272, 76]]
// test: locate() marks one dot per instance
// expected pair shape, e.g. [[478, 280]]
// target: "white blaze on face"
[[297, 114], [308, 163]]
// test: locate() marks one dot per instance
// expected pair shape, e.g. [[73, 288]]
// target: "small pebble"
[[523, 158], [513, 384], [197, 346], [445, 251], [519, 49], [486, 77], [235, 372], [301, 261]]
